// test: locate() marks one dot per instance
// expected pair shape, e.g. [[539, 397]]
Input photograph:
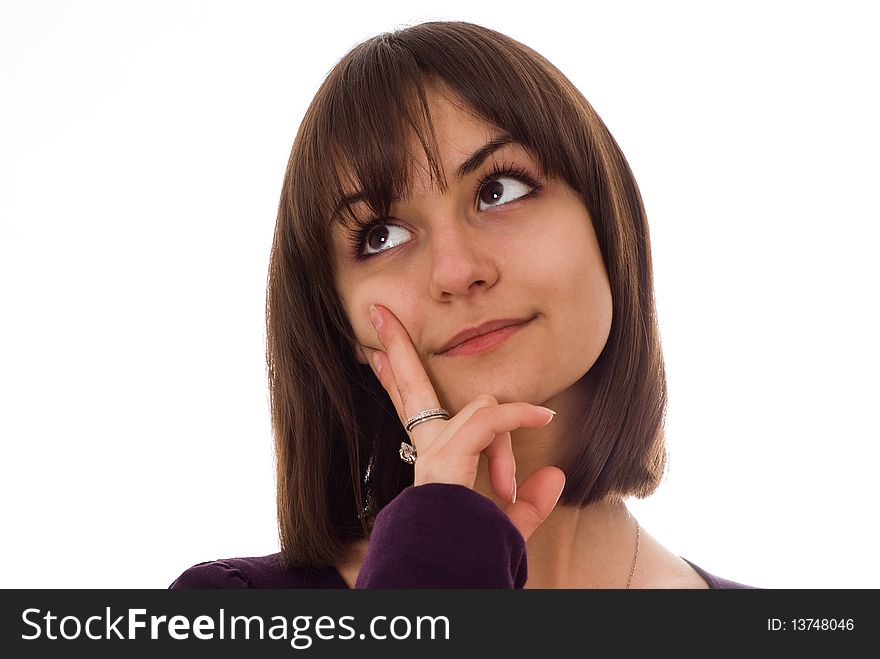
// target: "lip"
[[465, 342]]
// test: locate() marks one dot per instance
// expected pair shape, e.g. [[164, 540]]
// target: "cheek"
[[391, 294], [566, 262], [573, 282], [357, 307], [592, 292]]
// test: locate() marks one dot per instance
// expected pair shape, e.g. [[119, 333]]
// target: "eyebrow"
[[472, 163], [476, 159]]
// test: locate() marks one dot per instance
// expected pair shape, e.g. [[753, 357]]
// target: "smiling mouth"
[[485, 341]]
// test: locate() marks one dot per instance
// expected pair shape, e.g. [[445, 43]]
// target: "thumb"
[[535, 499]]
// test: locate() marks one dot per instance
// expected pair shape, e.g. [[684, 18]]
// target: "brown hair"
[[336, 432]]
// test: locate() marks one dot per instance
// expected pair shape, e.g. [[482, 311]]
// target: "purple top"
[[431, 536]]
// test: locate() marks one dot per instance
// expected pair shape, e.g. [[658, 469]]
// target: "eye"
[[381, 236], [500, 190]]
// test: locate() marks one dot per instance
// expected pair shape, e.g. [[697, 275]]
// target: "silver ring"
[[426, 415], [408, 453]]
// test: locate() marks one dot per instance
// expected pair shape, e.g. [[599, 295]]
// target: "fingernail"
[[513, 492], [548, 410], [377, 363], [375, 317]]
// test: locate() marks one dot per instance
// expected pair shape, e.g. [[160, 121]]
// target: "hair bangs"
[[378, 113], [379, 117]]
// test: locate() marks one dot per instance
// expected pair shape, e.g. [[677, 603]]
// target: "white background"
[[142, 148]]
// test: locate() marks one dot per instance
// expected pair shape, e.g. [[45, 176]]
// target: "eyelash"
[[360, 232]]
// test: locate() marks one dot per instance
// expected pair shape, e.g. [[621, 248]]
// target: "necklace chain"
[[632, 570]]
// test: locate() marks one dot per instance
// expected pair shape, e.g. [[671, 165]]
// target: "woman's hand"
[[449, 450]]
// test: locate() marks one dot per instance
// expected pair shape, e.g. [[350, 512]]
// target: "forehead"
[[458, 132]]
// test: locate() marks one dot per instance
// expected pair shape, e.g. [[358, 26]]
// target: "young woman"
[[465, 369]]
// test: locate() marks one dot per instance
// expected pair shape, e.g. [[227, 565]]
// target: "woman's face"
[[520, 249]]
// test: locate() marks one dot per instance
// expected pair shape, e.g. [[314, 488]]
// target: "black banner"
[[408, 623]]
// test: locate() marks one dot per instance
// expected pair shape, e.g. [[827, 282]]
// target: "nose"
[[462, 260]]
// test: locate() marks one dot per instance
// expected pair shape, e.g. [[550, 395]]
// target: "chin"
[[531, 377], [504, 391]]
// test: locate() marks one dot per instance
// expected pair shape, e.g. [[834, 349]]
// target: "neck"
[[589, 547]]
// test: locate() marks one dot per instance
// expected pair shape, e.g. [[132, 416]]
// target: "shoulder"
[[256, 572], [717, 583]]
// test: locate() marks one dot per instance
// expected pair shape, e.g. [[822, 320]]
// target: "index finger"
[[414, 388]]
